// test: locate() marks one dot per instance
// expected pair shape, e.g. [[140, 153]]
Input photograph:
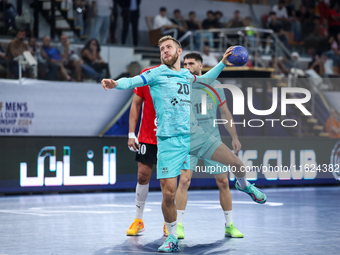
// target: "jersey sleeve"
[[139, 92], [149, 77], [208, 77], [129, 83]]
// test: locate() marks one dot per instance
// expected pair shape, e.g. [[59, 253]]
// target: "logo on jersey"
[[147, 72], [165, 170], [174, 101]]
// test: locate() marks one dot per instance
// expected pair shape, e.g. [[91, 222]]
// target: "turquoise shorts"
[[172, 151], [210, 166]]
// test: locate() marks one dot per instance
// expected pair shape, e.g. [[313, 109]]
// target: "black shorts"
[[147, 153]]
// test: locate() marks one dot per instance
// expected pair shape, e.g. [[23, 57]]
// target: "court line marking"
[[209, 202], [146, 252]]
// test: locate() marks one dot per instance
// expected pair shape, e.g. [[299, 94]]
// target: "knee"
[[169, 195], [184, 182], [222, 183], [143, 178]]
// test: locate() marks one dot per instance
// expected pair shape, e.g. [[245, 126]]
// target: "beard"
[[170, 62]]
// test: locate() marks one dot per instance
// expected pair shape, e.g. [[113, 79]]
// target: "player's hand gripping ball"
[[239, 56]]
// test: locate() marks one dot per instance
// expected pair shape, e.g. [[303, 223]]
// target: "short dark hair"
[[218, 12], [282, 2], [272, 13], [210, 12], [194, 55], [162, 9], [192, 12], [21, 30], [177, 10]]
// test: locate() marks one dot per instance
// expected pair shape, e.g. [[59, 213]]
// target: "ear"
[[201, 65], [179, 51]]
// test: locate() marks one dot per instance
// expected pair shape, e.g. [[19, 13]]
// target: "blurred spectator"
[[252, 36], [295, 63], [70, 58], [80, 9], [296, 25], [332, 125], [8, 14], [46, 69], [161, 21], [179, 20], [208, 59], [236, 20], [91, 56], [276, 26], [282, 15], [15, 51], [290, 7], [279, 67], [52, 54], [317, 65], [334, 52], [17, 46], [308, 22], [281, 11], [334, 19], [210, 21], [328, 64], [130, 14], [101, 11], [218, 15], [193, 24], [317, 37], [4, 60]]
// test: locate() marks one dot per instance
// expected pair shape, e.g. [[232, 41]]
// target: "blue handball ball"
[[239, 56]]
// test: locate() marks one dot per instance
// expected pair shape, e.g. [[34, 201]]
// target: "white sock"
[[172, 228], [141, 195], [228, 217], [242, 182], [180, 214]]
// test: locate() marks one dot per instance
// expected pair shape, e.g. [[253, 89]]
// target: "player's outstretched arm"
[[214, 72], [123, 83], [109, 84]]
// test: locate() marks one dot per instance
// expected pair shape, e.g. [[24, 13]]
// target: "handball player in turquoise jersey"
[[178, 133], [216, 100]]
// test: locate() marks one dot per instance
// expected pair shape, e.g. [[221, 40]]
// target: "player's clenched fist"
[[226, 55], [109, 84]]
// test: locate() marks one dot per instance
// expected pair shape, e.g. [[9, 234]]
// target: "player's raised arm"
[[214, 72], [123, 83]]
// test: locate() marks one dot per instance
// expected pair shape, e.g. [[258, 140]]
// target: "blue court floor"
[[293, 221]]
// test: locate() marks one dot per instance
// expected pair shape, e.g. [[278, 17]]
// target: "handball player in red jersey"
[[145, 146]]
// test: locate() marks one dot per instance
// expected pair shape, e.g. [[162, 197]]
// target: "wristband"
[[132, 135]]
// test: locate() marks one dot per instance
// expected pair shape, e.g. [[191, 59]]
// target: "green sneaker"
[[231, 231], [170, 245], [256, 194], [180, 231]]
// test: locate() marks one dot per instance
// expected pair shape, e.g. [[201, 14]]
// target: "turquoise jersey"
[[215, 98], [170, 91]]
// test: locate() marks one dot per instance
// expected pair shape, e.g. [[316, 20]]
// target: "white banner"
[[41, 108]]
